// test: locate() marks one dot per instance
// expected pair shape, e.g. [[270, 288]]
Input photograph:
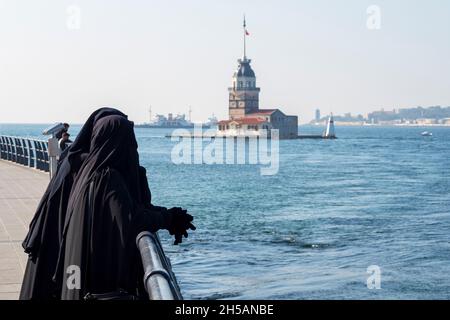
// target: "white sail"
[[329, 132]]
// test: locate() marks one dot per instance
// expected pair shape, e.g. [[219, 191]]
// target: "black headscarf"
[[113, 144]]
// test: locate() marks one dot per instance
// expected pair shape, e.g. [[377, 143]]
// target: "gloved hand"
[[178, 224]]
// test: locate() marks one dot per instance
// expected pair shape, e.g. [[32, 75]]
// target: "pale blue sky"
[[172, 54]]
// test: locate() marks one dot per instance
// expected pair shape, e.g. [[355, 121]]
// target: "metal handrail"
[[32, 153], [159, 279]]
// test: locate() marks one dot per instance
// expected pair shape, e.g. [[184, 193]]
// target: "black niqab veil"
[[44, 237]]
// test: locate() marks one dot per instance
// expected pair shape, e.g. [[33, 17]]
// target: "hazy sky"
[[172, 54]]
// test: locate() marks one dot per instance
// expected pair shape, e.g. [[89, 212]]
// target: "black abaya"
[[102, 238]]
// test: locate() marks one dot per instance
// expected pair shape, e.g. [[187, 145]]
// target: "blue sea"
[[376, 196]]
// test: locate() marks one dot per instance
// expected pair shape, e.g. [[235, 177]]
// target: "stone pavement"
[[21, 188]]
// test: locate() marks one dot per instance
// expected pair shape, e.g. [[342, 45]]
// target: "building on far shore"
[[317, 117], [245, 116]]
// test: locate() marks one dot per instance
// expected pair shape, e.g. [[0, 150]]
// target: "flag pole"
[[245, 53]]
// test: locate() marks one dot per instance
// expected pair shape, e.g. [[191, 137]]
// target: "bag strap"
[[114, 295], [89, 217]]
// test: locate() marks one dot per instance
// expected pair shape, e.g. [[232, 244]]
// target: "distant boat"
[[212, 122], [178, 121], [426, 134]]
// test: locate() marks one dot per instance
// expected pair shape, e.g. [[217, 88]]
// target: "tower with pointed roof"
[[245, 116], [243, 94]]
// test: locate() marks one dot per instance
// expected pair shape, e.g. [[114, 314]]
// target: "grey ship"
[[175, 122], [178, 121]]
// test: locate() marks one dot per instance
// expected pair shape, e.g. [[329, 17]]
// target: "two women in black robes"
[[88, 218]]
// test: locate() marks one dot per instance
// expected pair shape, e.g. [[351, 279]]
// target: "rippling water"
[[375, 196]]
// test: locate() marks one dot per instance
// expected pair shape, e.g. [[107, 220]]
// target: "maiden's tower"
[[245, 116]]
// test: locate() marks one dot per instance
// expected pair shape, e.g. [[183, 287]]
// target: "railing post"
[[29, 152], [2, 148], [11, 149], [19, 151], [53, 153], [32, 145], [8, 149], [14, 150]]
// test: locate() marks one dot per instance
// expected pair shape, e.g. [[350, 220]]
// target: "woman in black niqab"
[[44, 237], [107, 206]]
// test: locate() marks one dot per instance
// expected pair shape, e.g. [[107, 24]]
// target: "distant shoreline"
[[337, 124]]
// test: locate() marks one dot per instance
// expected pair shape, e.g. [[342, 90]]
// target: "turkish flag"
[[246, 32]]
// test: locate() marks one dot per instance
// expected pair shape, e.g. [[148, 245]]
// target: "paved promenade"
[[21, 188]]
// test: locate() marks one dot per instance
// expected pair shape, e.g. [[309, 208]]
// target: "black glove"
[[178, 224]]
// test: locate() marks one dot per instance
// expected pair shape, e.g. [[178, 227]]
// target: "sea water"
[[375, 197]]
